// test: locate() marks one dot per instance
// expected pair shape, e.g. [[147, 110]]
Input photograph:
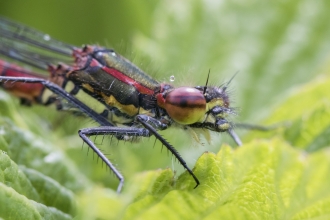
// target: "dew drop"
[[46, 37], [172, 78]]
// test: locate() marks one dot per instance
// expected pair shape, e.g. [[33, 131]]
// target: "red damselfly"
[[135, 104]]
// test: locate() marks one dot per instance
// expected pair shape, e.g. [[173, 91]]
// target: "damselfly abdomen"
[[135, 105]]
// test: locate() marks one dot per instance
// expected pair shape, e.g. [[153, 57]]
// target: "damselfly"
[[135, 105]]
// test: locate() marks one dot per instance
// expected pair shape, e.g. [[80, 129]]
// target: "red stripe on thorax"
[[123, 78]]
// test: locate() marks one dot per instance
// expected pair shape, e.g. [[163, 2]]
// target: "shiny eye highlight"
[[185, 105]]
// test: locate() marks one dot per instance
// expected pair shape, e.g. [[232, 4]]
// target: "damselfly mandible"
[[135, 105]]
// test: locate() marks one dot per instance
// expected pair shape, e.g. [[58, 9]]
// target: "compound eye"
[[185, 105]]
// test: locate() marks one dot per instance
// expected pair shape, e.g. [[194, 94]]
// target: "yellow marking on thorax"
[[130, 110], [88, 87], [142, 111]]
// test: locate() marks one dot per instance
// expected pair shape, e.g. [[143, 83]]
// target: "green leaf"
[[20, 199], [51, 192], [261, 180], [25, 148]]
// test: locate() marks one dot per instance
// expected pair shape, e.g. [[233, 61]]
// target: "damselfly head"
[[201, 106]]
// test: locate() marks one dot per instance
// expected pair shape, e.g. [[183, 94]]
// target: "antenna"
[[227, 84], [207, 81]]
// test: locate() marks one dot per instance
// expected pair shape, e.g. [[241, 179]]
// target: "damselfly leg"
[[108, 130]]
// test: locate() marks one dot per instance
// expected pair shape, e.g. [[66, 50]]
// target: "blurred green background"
[[82, 22], [276, 47]]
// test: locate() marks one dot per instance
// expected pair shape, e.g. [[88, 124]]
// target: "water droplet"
[[114, 54], [46, 37], [172, 78]]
